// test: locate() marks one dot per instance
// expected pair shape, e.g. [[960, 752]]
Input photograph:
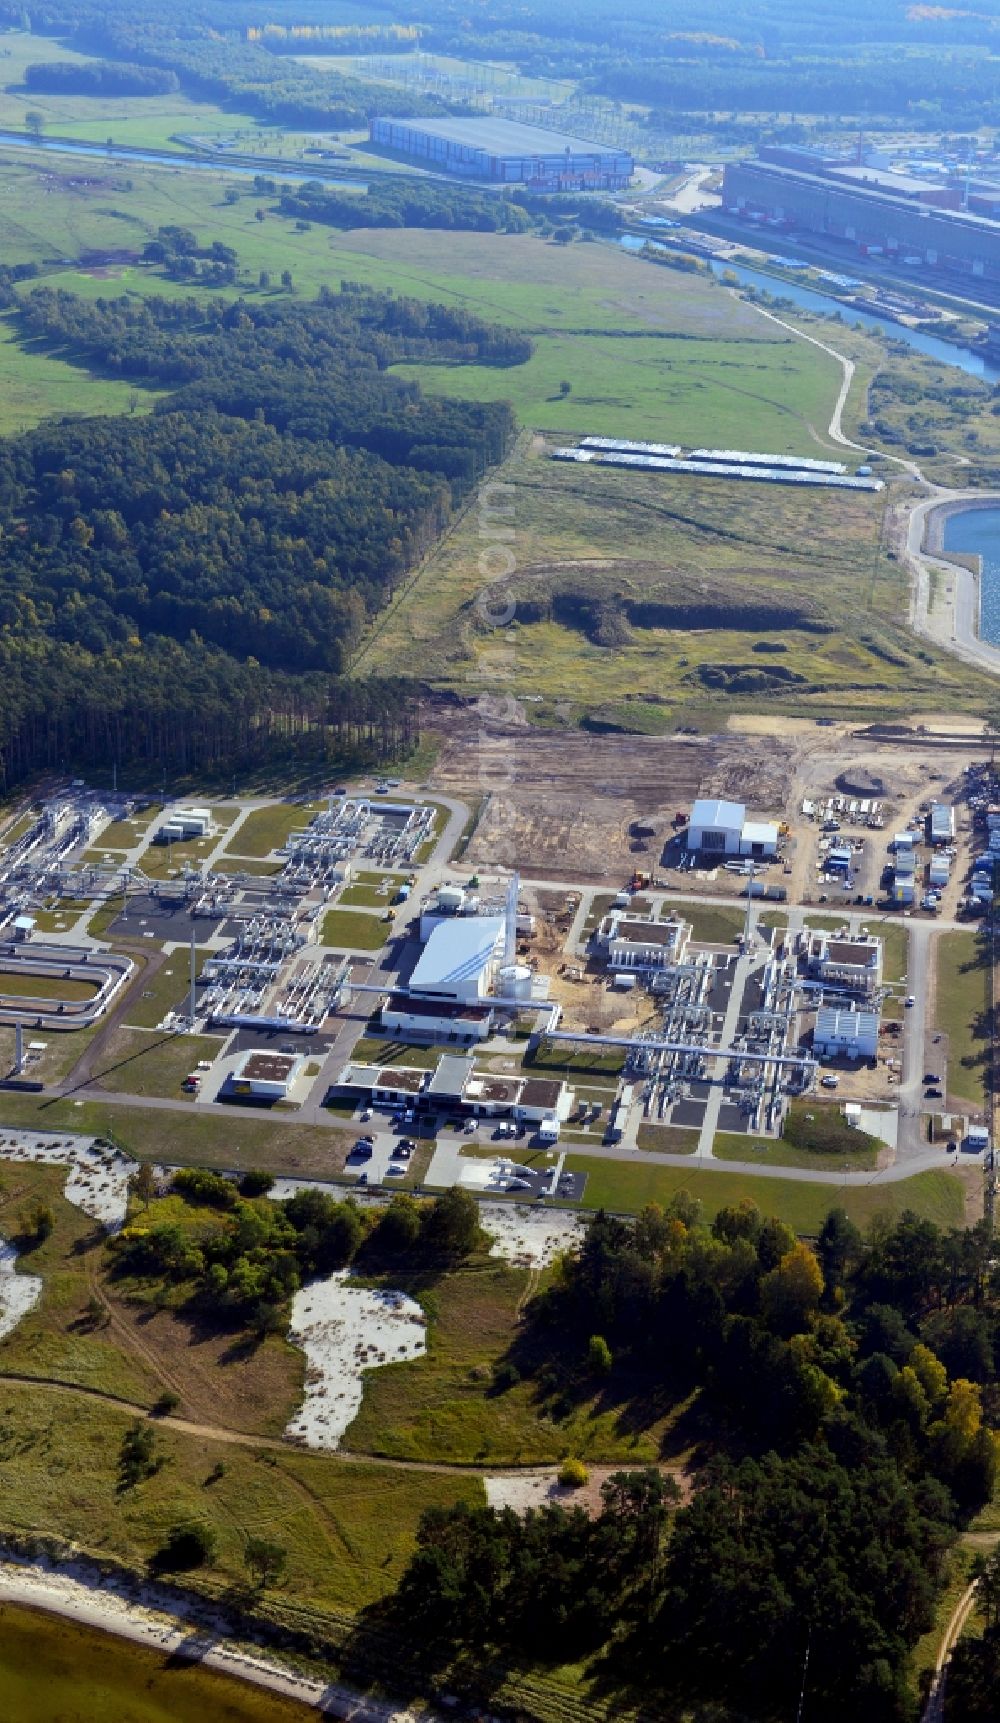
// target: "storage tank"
[[514, 981]]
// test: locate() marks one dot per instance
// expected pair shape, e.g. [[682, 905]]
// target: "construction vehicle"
[[638, 881]]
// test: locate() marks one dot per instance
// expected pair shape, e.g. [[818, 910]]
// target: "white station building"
[[715, 827], [722, 828]]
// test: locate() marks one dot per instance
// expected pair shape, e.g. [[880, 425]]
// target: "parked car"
[[931, 1077], [932, 1095], [911, 999]]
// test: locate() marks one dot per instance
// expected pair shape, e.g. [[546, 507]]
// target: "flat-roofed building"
[[506, 152], [637, 943], [854, 965], [845, 1034], [419, 1019], [941, 823], [456, 1087], [869, 212], [759, 838], [265, 1076]]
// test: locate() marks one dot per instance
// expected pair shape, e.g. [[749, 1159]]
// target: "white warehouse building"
[[722, 828], [716, 827]]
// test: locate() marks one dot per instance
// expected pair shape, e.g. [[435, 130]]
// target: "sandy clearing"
[[19, 1293], [98, 1178], [531, 1238], [164, 1622], [345, 1330]]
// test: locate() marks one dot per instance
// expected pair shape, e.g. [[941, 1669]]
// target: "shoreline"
[[195, 1631], [955, 624]]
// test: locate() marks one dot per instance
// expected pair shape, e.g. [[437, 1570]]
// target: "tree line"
[[406, 202], [98, 78], [840, 1401]]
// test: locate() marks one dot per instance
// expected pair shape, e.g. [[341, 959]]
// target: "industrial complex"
[[505, 152], [950, 227], [354, 971]]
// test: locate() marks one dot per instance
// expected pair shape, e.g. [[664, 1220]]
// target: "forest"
[[257, 518], [935, 66], [839, 1404], [98, 78]]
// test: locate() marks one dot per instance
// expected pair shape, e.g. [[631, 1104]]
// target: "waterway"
[[977, 532], [186, 164], [809, 299]]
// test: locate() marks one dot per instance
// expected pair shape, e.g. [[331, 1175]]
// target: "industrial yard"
[[656, 969]]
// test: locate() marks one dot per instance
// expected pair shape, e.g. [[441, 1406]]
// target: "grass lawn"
[[168, 989], [383, 1050], [151, 1062], [895, 948], [781, 1152], [127, 834], [667, 1139], [444, 1407], [266, 829], [371, 896], [36, 385], [628, 386], [711, 925], [628, 1185], [259, 869], [961, 1012], [348, 930], [16, 983], [63, 1047], [200, 1136], [161, 861], [557, 1056]]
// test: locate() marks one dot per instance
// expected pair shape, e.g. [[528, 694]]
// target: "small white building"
[[845, 1034], [759, 838], [265, 1076], [716, 827], [941, 823], [637, 943], [24, 926], [183, 824]]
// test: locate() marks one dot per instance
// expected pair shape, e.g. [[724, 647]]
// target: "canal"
[[810, 299]]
